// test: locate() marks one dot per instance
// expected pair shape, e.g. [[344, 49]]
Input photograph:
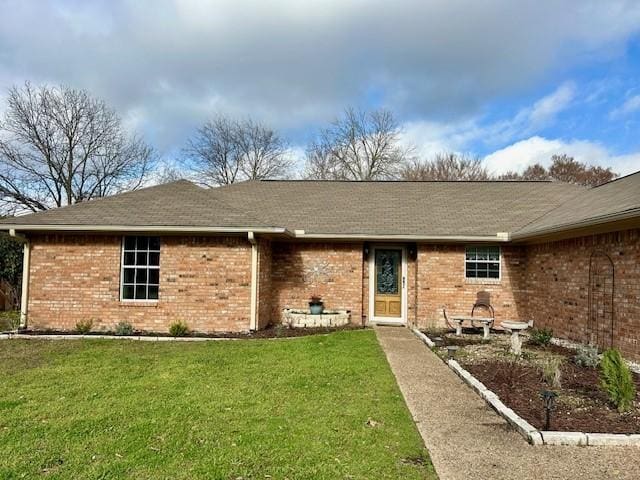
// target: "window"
[[140, 268], [482, 262]]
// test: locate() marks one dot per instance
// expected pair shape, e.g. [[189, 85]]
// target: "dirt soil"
[[581, 405], [269, 332]]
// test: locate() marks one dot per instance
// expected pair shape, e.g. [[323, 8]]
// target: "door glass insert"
[[387, 271]]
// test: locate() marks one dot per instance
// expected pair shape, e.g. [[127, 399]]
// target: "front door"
[[388, 283]]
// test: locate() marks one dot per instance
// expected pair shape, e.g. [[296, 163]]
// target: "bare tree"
[[224, 151], [445, 166], [565, 169], [59, 146], [358, 146]]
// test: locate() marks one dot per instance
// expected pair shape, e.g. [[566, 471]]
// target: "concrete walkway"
[[467, 440]]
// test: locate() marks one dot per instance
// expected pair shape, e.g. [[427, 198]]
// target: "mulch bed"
[[581, 405], [270, 332]]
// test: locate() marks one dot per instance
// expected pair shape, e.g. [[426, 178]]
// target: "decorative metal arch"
[[601, 295]]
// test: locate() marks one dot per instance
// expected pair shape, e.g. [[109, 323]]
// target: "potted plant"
[[316, 306]]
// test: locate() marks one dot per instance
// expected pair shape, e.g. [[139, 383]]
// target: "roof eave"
[[631, 214], [142, 228]]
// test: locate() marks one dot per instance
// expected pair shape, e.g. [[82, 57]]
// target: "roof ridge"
[[616, 179]]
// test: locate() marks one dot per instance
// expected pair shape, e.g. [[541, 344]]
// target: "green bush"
[[84, 326], [541, 336], [9, 320], [124, 328], [616, 380], [178, 329], [587, 357]]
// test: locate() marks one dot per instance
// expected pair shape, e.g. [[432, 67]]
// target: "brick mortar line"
[[525, 429]]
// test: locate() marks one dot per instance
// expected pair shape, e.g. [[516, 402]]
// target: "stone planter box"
[[303, 319]]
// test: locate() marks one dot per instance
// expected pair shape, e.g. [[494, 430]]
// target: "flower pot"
[[316, 308]]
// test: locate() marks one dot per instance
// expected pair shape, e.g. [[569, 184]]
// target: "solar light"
[[451, 351], [549, 399], [438, 341]]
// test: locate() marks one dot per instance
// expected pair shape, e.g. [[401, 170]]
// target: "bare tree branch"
[[446, 166], [60, 146], [358, 146], [225, 151]]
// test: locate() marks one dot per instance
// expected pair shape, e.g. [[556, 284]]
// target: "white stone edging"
[[147, 338], [423, 337], [524, 428]]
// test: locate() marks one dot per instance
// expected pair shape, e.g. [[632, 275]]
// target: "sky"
[[513, 82]]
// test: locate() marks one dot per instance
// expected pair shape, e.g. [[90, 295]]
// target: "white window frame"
[[483, 279], [148, 267]]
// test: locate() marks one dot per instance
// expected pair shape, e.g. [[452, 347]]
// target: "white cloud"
[[524, 153], [546, 109], [631, 105], [298, 63]]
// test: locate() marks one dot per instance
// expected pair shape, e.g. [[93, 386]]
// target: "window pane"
[[471, 253], [494, 274], [494, 253], [141, 292], [471, 270], [154, 259], [142, 243], [482, 254], [154, 243], [129, 243], [141, 258], [129, 274], [482, 274], [154, 276], [141, 275], [129, 258], [127, 292], [153, 292]]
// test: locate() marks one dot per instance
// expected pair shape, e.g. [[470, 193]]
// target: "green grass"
[[250, 409]]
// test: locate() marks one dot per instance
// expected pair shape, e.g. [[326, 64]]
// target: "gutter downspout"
[[26, 257], [253, 320]]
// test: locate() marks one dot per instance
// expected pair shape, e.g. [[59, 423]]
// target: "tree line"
[[60, 146]]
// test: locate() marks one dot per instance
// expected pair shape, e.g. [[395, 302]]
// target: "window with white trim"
[[482, 262], [140, 268]]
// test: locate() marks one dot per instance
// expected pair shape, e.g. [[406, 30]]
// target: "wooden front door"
[[388, 283]]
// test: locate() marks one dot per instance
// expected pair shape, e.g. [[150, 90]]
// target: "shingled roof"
[[317, 209], [615, 200]]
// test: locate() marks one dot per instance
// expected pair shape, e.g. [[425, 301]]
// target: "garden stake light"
[[549, 399], [451, 350]]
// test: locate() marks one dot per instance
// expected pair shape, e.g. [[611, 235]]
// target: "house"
[[235, 258]]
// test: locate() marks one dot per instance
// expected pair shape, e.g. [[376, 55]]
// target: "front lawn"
[[315, 407]]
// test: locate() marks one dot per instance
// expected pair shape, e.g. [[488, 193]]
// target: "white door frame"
[[372, 319]]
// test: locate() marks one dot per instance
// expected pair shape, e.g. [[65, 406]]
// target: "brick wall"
[[205, 281], [440, 283], [558, 284], [264, 283], [331, 270]]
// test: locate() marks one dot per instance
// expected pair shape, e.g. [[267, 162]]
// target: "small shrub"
[[541, 336], [124, 328], [587, 357], [9, 320], [178, 329], [84, 326], [616, 380], [551, 373]]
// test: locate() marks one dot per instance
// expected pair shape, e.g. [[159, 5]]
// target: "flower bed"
[[581, 405]]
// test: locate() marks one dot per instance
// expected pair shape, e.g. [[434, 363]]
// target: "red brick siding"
[[441, 284], [558, 284], [331, 270], [264, 284], [205, 281]]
